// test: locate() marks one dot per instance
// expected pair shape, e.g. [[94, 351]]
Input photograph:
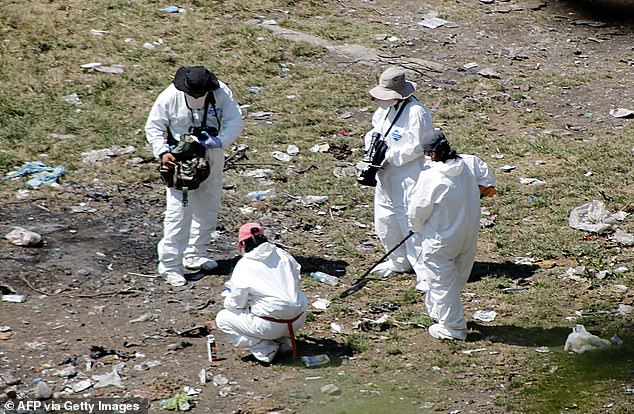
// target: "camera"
[[368, 155], [198, 132]]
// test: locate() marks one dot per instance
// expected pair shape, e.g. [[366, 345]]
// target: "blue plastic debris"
[[172, 9], [254, 89], [47, 175], [46, 179], [31, 167]]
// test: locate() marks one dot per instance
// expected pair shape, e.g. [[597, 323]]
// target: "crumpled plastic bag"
[[580, 341], [592, 217], [23, 237], [179, 402]]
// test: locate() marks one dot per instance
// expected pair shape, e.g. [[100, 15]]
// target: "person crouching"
[[264, 304]]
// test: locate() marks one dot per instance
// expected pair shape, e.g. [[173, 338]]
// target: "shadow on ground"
[[509, 270], [515, 335]]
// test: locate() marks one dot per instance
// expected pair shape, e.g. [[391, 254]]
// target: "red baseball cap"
[[249, 230]]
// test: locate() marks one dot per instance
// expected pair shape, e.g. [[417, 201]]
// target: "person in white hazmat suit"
[[264, 304], [195, 97], [401, 120], [444, 213]]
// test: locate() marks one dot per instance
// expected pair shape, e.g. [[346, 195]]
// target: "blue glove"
[[211, 141]]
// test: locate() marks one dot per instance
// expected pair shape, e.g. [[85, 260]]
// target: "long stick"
[[363, 280]]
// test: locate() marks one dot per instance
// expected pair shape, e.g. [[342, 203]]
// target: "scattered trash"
[[20, 236], [592, 217], [292, 150], [489, 73], [324, 278], [510, 290], [281, 156], [5, 332], [432, 22], [212, 355], [220, 380], [472, 351], [543, 349], [260, 116], [313, 199], [146, 317], [488, 221], [335, 328], [73, 98], [179, 402], [624, 309], [507, 168], [313, 361], [383, 307], [257, 173], [97, 66], [173, 9], [82, 208], [619, 236], [254, 89], [320, 148], [46, 175], [105, 380], [524, 260], [468, 66], [591, 23], [97, 351], [381, 324], [260, 195], [14, 298], [91, 157], [202, 376], [330, 389], [81, 385], [485, 315], [530, 181], [339, 172], [321, 304], [171, 348], [580, 341]]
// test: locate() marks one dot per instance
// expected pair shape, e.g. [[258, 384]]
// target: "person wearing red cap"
[[264, 304], [198, 104]]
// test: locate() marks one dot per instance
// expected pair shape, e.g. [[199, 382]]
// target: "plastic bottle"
[[260, 195], [325, 278]]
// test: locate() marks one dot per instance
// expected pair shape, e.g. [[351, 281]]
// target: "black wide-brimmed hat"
[[195, 80]]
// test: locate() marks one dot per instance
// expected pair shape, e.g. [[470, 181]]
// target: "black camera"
[[198, 132]]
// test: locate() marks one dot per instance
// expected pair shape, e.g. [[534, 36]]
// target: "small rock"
[[42, 391], [330, 389]]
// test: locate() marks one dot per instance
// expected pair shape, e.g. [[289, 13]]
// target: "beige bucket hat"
[[393, 84]]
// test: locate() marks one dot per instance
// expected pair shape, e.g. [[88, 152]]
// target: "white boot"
[[265, 350]]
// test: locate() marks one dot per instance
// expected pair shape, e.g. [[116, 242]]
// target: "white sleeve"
[[238, 298], [231, 116], [409, 149], [483, 175], [429, 191], [157, 125]]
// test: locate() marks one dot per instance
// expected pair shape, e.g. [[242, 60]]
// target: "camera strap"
[[398, 113]]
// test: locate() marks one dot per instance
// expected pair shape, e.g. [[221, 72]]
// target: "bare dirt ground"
[[92, 299]]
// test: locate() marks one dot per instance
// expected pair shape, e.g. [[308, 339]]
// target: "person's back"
[[264, 304], [450, 191], [272, 277]]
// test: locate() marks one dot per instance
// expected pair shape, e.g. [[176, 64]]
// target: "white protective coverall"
[[483, 175], [404, 161], [265, 282], [187, 230], [445, 214]]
